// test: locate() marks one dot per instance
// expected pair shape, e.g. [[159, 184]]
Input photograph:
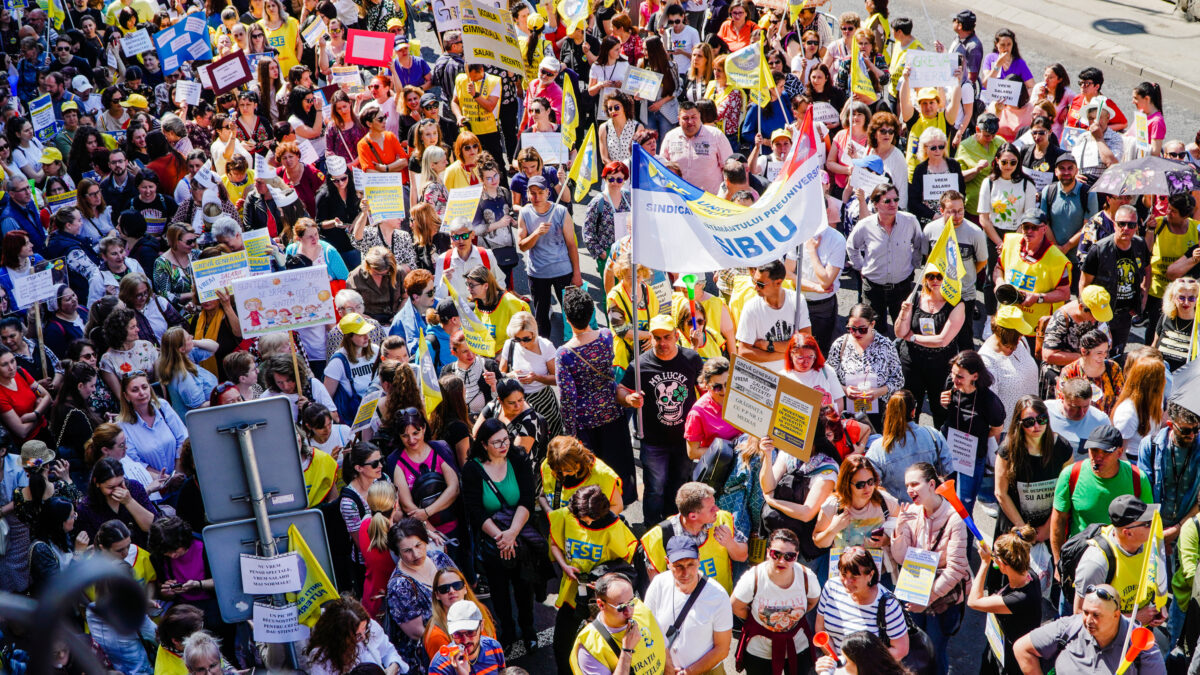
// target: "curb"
[[1106, 50]]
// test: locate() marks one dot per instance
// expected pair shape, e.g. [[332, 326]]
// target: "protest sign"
[[643, 84], [866, 179], [366, 412], [445, 15], [314, 32], [369, 48], [835, 552], [826, 114], [41, 112], [463, 202], [548, 144], [489, 37], [182, 42], [963, 448], [930, 69], [32, 288], [480, 338], [1003, 91], [1072, 136], [258, 250], [277, 625], [187, 92], [268, 576], [360, 177], [285, 300], [345, 75], [213, 274], [915, 581], [228, 72], [1141, 130], [937, 183], [764, 403], [385, 194], [136, 42], [56, 202], [1040, 178], [308, 153]]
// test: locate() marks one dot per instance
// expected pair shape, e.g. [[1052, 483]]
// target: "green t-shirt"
[[1089, 503], [508, 488], [970, 152]]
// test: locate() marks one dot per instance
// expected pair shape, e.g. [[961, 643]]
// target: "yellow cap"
[[51, 155], [1098, 302], [355, 324], [662, 322], [136, 101], [1011, 316]]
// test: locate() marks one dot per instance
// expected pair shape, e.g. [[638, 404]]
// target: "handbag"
[[529, 540], [922, 657]]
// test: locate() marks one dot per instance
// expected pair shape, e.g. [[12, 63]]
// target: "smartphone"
[[878, 532]]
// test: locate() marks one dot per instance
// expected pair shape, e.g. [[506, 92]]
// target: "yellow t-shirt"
[[1168, 247], [283, 41], [497, 319], [235, 191], [479, 120], [456, 176]]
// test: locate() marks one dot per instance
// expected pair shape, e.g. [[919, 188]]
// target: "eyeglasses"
[[373, 465], [90, 193], [1009, 162], [1087, 83], [616, 179], [676, 22], [465, 634], [1127, 224], [737, 12], [860, 484], [1039, 420], [62, 49], [452, 586], [813, 43], [460, 237], [788, 556], [1038, 132], [500, 443], [717, 386]]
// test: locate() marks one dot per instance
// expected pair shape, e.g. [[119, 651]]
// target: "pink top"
[[380, 566], [189, 567], [704, 423], [1157, 126], [552, 92], [434, 461]]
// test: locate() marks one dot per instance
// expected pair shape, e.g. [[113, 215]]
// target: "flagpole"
[[637, 291]]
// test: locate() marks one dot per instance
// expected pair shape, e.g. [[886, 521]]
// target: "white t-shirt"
[[685, 40], [712, 613], [831, 250], [778, 609], [759, 321], [824, 381], [1125, 419], [525, 360], [361, 373], [339, 436], [1006, 201]]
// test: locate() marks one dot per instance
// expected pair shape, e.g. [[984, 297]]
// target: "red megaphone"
[[947, 492], [822, 640], [1141, 640]]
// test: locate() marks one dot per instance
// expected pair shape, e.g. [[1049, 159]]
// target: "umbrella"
[[1185, 387], [1148, 176]]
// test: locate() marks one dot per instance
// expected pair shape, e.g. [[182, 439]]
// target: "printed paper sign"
[[938, 183], [385, 194], [548, 144], [136, 42], [285, 300], [1040, 178], [258, 250], [308, 153], [213, 274], [187, 92], [763, 403], [463, 202], [314, 32], [643, 84], [228, 72], [445, 15], [56, 202], [1141, 129], [41, 111], [1004, 91], [866, 179], [930, 69], [369, 48], [915, 582], [489, 37], [995, 638], [268, 576], [836, 552], [34, 287], [344, 75], [277, 625], [963, 449], [826, 114], [360, 177], [366, 412]]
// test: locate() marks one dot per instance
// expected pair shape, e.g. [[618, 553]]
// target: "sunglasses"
[[860, 484], [1176, 155], [340, 179], [886, 130], [1127, 224], [189, 242], [1186, 431], [614, 108], [890, 200], [461, 237], [1008, 162], [623, 607], [859, 330], [933, 277], [717, 386], [813, 43], [373, 465], [471, 146], [616, 179], [1101, 592], [452, 586], [676, 22], [1185, 298], [523, 340], [1038, 132], [847, 29], [937, 147], [549, 73], [1030, 422], [788, 556], [132, 374]]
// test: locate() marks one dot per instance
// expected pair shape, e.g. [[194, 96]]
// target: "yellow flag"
[[570, 113], [479, 337], [317, 589], [573, 12], [860, 79], [745, 69], [583, 169], [55, 10], [431, 391], [945, 257], [795, 7], [1194, 344]]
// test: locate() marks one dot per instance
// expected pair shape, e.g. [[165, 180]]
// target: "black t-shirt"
[[1119, 272], [1191, 273], [1025, 605], [975, 413], [454, 432], [669, 389], [1034, 478]]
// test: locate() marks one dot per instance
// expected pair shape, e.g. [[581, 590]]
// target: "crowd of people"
[[450, 520]]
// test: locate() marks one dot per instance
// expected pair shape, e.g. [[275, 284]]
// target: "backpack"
[[428, 485], [714, 467], [793, 487], [1073, 548], [483, 257], [1052, 192], [346, 401]]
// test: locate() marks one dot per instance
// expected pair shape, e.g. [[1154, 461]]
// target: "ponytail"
[[381, 500], [1013, 548], [896, 417]]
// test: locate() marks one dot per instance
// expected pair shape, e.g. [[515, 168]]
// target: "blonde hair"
[[930, 135], [1173, 290], [623, 265], [381, 500], [128, 415], [378, 256], [522, 321], [172, 362], [431, 156]]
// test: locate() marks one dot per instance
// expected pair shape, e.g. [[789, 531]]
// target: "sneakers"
[[482, 590]]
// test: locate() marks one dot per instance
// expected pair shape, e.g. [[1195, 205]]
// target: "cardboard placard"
[[369, 48], [489, 37], [345, 75], [136, 42], [228, 72], [213, 274], [930, 69], [764, 403], [1141, 129]]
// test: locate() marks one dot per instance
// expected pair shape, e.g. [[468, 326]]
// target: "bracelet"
[[627, 651]]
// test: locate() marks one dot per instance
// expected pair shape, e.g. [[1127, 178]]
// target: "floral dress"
[[408, 599], [259, 134], [142, 356], [402, 245], [436, 195], [171, 281], [586, 384]]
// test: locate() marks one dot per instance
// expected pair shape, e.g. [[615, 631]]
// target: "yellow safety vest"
[[319, 477], [618, 299], [714, 559], [584, 547], [1128, 575], [601, 474], [1168, 247], [649, 657], [1036, 277], [479, 120], [283, 41]]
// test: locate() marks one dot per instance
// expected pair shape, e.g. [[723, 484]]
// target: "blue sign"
[[185, 41]]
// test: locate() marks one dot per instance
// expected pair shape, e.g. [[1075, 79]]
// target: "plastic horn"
[[946, 490], [1141, 640], [822, 640], [689, 283]]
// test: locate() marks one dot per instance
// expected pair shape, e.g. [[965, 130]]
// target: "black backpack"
[[793, 486], [428, 485], [1073, 550], [714, 467]]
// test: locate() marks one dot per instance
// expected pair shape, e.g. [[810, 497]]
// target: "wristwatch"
[[1041, 297], [770, 347], [627, 651]]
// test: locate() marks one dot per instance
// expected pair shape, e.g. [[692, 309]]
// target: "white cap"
[[463, 615], [335, 165], [81, 83], [550, 63], [283, 197], [206, 178]]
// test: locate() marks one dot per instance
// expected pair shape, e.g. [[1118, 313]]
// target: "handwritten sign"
[[826, 114], [228, 72], [32, 288], [463, 202], [1040, 178], [277, 625], [214, 274], [286, 300], [445, 15], [187, 92], [915, 582], [938, 183], [1003, 91], [963, 449], [548, 144], [765, 404], [136, 42], [643, 84], [268, 576], [930, 69]]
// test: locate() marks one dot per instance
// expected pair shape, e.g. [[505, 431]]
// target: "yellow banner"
[[583, 169], [431, 391], [860, 79], [479, 337], [317, 589], [946, 258]]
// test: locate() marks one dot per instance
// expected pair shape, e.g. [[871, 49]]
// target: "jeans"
[[968, 485], [658, 122], [822, 314], [940, 628], [886, 299], [125, 651], [541, 290], [664, 470]]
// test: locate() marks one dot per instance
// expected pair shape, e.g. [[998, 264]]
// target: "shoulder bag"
[[529, 538], [922, 657]]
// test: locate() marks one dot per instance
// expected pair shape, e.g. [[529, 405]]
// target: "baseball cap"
[[538, 182], [1065, 157], [550, 63], [681, 548], [463, 615], [355, 324], [81, 83], [966, 18], [928, 93], [446, 310], [872, 163], [1098, 302], [51, 155], [662, 322], [781, 133], [428, 100], [1033, 217], [1127, 510], [394, 23], [1011, 316], [69, 105], [136, 101], [1105, 437]]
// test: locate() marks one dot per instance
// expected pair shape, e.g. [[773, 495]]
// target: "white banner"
[[677, 227]]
